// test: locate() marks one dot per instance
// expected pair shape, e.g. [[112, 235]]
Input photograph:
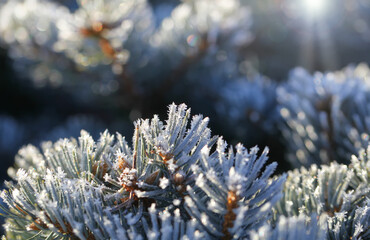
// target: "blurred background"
[[63, 69]]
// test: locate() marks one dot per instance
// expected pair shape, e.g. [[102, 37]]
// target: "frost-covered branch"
[[158, 188], [326, 116]]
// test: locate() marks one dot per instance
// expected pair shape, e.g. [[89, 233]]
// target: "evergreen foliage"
[[103, 43], [250, 106], [341, 192], [326, 115], [176, 181], [98, 190], [120, 61]]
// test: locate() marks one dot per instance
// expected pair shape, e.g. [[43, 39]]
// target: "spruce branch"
[[327, 118], [82, 189], [341, 192], [232, 194]]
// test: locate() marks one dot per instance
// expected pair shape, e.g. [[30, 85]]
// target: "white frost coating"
[[164, 182]]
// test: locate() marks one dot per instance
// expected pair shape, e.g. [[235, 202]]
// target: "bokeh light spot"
[[192, 40]]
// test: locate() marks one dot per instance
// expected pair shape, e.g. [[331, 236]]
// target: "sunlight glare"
[[315, 6]]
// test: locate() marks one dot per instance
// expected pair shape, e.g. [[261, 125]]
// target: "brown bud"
[[36, 223], [178, 178]]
